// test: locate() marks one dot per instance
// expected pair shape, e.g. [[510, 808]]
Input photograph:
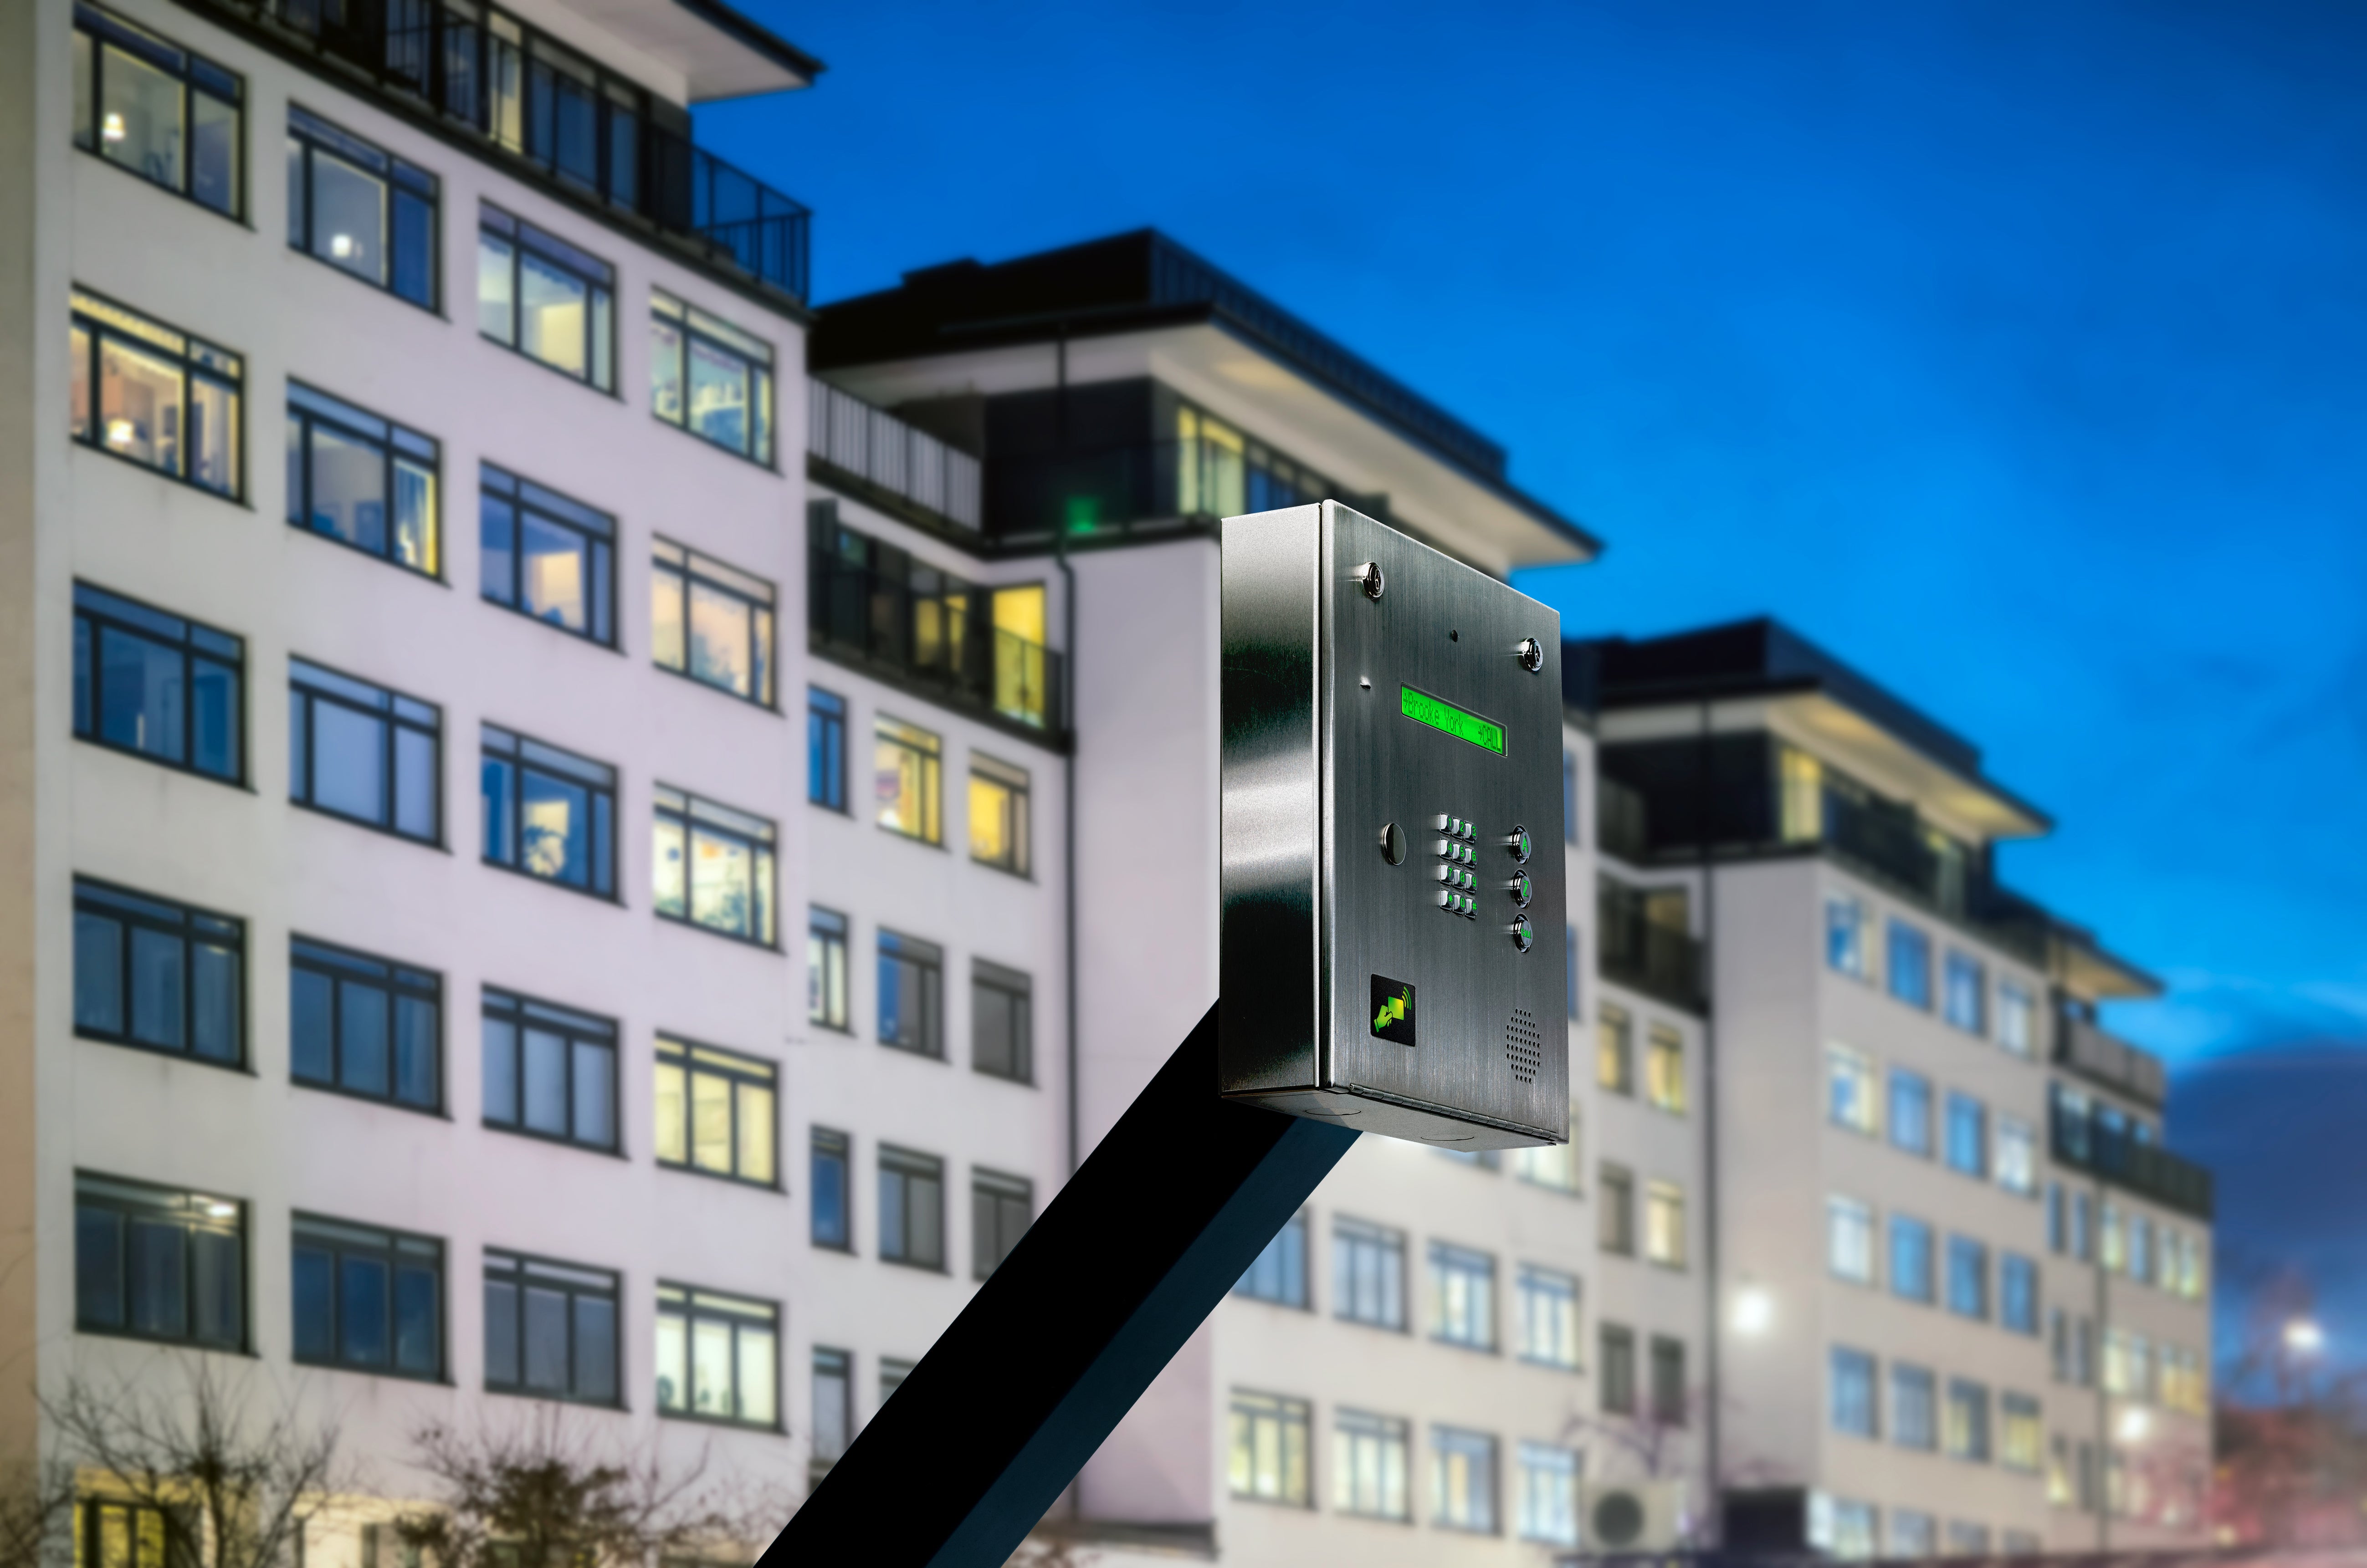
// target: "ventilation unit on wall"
[[1632, 1516]]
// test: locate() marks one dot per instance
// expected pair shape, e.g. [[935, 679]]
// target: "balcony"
[[876, 449], [2085, 1141], [872, 606], [1641, 943], [555, 117], [1619, 825], [2109, 1060]]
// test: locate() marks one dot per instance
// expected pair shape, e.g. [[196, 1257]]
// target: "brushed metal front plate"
[[1318, 759]]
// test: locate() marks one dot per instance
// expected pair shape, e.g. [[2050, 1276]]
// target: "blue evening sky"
[[2016, 354]]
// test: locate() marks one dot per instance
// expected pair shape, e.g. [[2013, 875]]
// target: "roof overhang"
[[2084, 968], [1883, 761], [721, 52]]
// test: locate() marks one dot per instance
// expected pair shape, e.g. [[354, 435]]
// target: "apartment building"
[[1959, 1303]]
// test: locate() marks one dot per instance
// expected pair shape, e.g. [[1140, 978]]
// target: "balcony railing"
[[935, 633], [1644, 954], [2085, 1141], [579, 127], [2090, 1051], [874, 444]]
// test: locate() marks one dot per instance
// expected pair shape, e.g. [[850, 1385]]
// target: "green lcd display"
[[1423, 708]]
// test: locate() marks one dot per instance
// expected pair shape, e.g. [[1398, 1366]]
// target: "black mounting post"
[[1158, 1223]]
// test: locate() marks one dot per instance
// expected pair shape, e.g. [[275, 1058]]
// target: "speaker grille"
[[1525, 1044]]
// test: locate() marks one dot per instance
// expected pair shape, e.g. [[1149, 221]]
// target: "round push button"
[[1524, 936], [1520, 845]]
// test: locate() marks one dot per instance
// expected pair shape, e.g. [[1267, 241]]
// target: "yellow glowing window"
[[714, 1111], [998, 814], [907, 763]]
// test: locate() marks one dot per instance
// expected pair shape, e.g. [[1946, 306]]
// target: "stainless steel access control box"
[[1392, 950]]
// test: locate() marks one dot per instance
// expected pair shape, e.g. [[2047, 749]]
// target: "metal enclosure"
[[1392, 956]]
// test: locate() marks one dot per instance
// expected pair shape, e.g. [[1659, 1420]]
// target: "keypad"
[[1457, 849]]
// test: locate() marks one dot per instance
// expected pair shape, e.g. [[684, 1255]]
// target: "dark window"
[[153, 108], [711, 621], [160, 975], [827, 1168], [911, 1207], [714, 1111], [2018, 1294], [834, 1407], [1618, 1357], [365, 753], [360, 208], [826, 968], [1369, 1273], [550, 813], [365, 1025], [1279, 1274], [156, 685], [546, 556], [549, 1071], [1968, 1277], [1856, 1392], [825, 748], [363, 481], [1910, 964], [1669, 1399], [1914, 1407], [1614, 1193], [541, 296], [154, 396], [1911, 1258], [912, 995], [159, 1263], [550, 1329], [1911, 1112], [1968, 1136], [710, 378], [1001, 1208], [713, 867], [368, 1299], [718, 1357], [1001, 1032]]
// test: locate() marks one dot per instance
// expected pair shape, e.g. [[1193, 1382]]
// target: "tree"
[[36, 1511]]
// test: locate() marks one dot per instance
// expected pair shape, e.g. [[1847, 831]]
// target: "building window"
[[998, 814], [717, 1112], [167, 114], [122, 1535], [827, 1168], [2021, 1442], [826, 968], [1463, 1479], [1910, 1259], [159, 976], [1369, 1465], [2111, 1245], [1552, 1166], [713, 867], [2016, 1015], [159, 1263], [365, 753], [361, 210], [362, 481], [2140, 1258], [1965, 1001], [1616, 1357], [546, 556], [825, 748], [1548, 1317], [907, 767], [710, 378], [550, 813], [1848, 1240], [1269, 1435], [1913, 1407], [365, 1025], [912, 995], [1911, 1112], [1855, 1393], [1614, 1197], [550, 301], [1664, 1070], [1279, 1275], [1668, 1396], [368, 1300], [711, 621], [1964, 1431], [550, 1329], [1002, 1030], [1850, 1097], [1967, 1539], [834, 1407], [2081, 1228], [2083, 1353], [1909, 964], [2128, 1364], [1912, 1533], [156, 685], [911, 1207], [1001, 1210], [1968, 1277], [718, 1357], [156, 395], [1845, 936], [1548, 1494], [2017, 1156], [1462, 1296], [893, 1370], [1968, 1136], [1852, 1528], [1369, 1273], [1664, 1224], [1614, 1049], [549, 1071]]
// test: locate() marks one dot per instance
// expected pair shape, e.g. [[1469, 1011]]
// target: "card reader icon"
[[1393, 1010]]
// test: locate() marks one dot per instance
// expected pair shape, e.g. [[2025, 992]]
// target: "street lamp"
[[2304, 1337], [1754, 1311]]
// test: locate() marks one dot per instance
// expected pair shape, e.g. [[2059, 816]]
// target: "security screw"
[[1532, 654], [1368, 577]]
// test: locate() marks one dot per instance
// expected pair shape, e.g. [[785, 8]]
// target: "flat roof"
[[721, 52]]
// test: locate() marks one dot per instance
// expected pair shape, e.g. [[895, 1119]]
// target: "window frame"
[[678, 567], [396, 713], [195, 359], [113, 902], [1349, 1429], [1351, 1239], [690, 324], [598, 278], [1471, 1323], [695, 816], [1661, 1198], [1913, 1426], [1614, 1046], [576, 1281], [822, 938], [191, 1213], [827, 1364], [1018, 806], [574, 1026], [1854, 1403], [695, 1304], [828, 1145], [2018, 1279], [517, 759], [1665, 1086], [340, 965], [1965, 1112], [826, 736], [927, 959], [695, 1059], [1965, 979], [1479, 1510], [1668, 1394], [1907, 982], [309, 408], [104, 27], [888, 731], [1974, 1443], [1016, 990], [1248, 1411], [1616, 1230], [1967, 1259], [1534, 1281], [991, 1194], [1917, 1090], [1849, 1245], [102, 610], [1619, 1386], [313, 133], [1845, 1062], [1898, 1273], [909, 1166], [1537, 1460], [1290, 1255], [340, 1238], [553, 509]]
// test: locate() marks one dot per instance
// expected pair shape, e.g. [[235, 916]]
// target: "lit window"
[[156, 109], [1845, 936], [1548, 1317], [1268, 1443], [156, 685], [365, 753], [549, 813], [716, 1112], [2017, 1156], [912, 995], [1964, 1431], [1851, 1099], [1369, 1465], [718, 1357], [911, 1207], [156, 397], [1023, 667], [1209, 472], [1849, 1528], [1855, 1393], [826, 968], [1664, 1224], [546, 556], [1909, 964], [364, 1025], [156, 975], [157, 1263], [998, 814], [1462, 1296], [360, 208], [362, 481], [1279, 1275], [1848, 1240], [543, 296], [1614, 1049], [710, 378], [1001, 1209], [368, 1299], [1664, 1070], [1548, 1494], [1800, 811], [549, 1071], [907, 778], [711, 621], [551, 1329], [714, 866], [2020, 1438], [1463, 1479]]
